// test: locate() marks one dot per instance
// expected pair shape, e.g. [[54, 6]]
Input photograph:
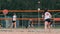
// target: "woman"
[[14, 20], [47, 17]]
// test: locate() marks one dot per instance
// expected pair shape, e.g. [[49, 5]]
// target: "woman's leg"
[[14, 25], [46, 23], [49, 26]]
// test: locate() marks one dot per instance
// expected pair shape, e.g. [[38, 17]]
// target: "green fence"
[[25, 23]]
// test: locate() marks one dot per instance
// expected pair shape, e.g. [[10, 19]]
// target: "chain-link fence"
[[29, 19]]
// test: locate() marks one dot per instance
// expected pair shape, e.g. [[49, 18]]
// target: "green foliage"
[[29, 4]]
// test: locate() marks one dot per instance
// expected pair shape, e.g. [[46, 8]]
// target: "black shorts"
[[13, 21], [48, 20]]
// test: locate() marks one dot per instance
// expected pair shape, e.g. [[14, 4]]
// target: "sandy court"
[[28, 31]]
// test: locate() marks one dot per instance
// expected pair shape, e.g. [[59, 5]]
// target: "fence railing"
[[55, 19], [24, 18], [31, 10]]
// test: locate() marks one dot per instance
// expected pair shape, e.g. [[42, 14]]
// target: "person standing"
[[47, 18], [14, 20]]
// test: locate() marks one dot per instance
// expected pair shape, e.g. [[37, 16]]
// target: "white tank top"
[[14, 17], [47, 15]]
